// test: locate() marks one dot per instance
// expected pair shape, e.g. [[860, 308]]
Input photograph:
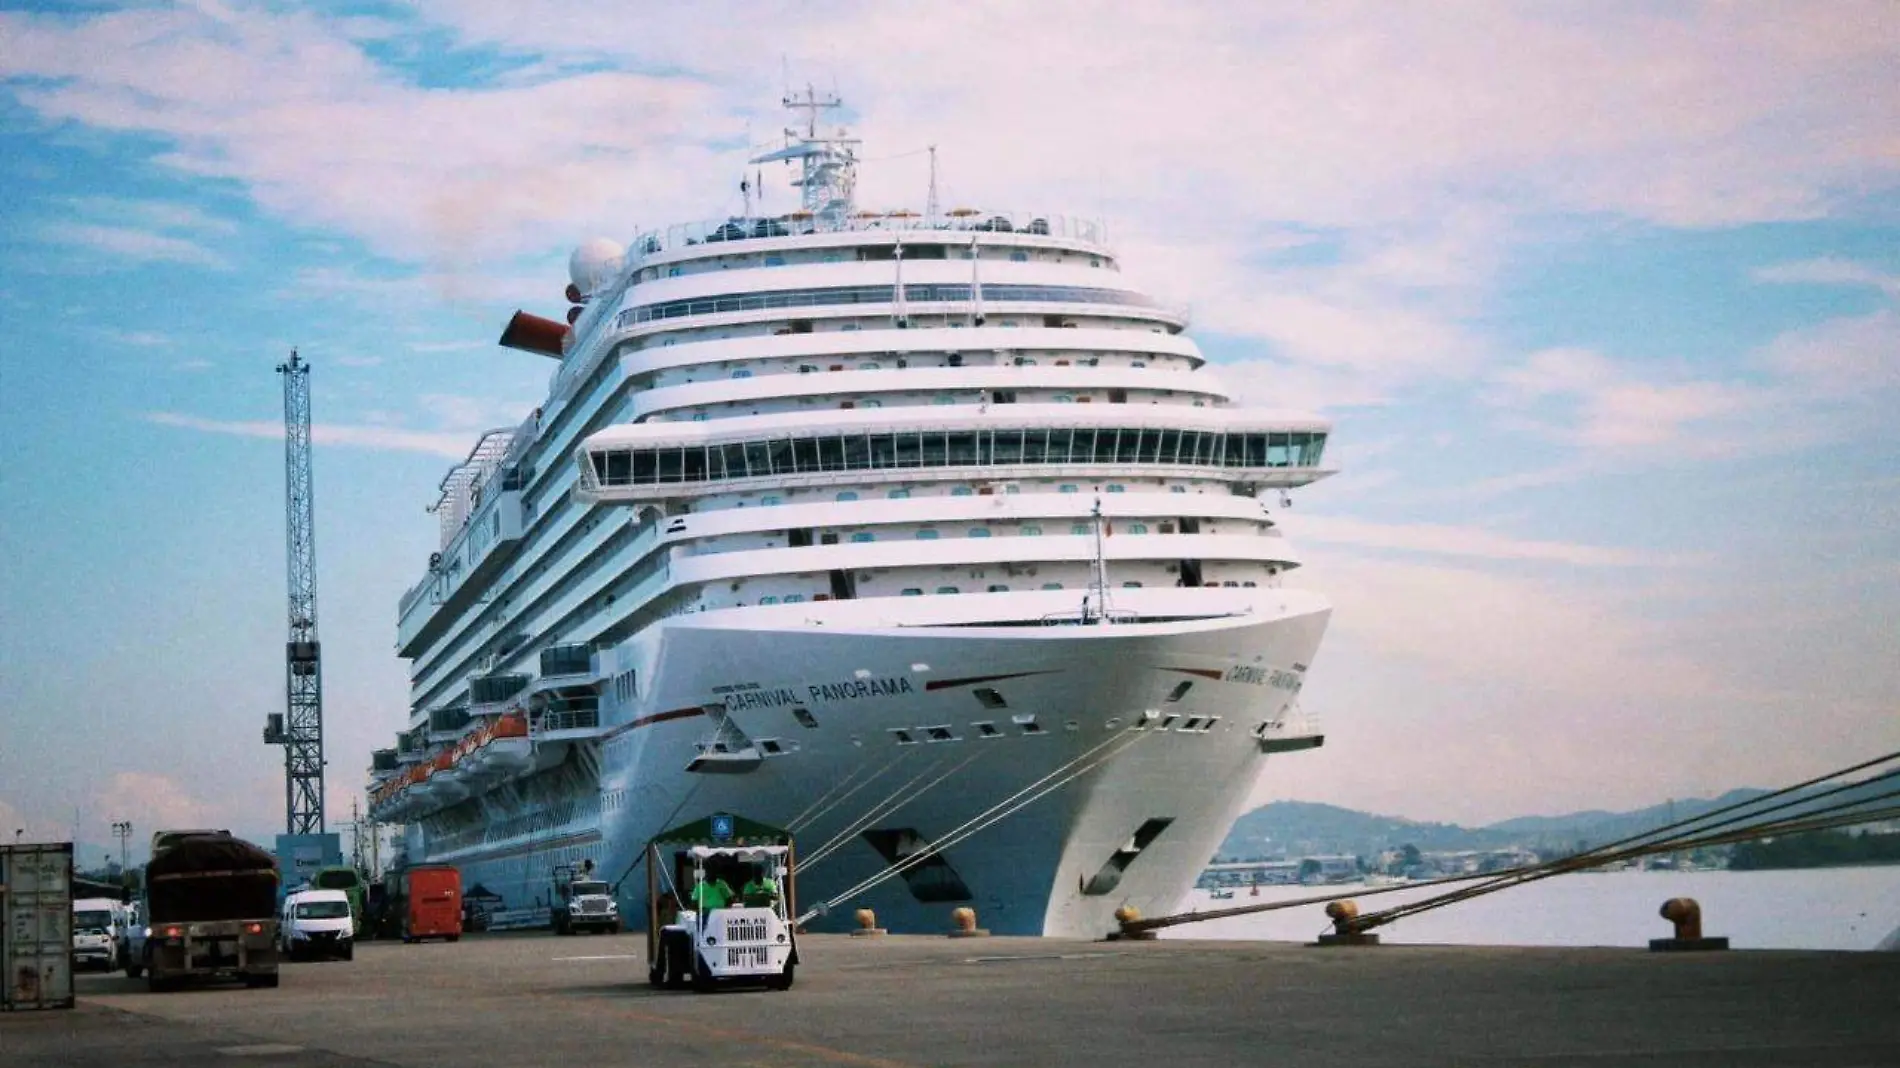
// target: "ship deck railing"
[[801, 224]]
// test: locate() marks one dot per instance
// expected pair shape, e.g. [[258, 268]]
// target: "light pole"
[[123, 829]]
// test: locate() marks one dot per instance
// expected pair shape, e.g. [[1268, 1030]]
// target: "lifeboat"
[[508, 750], [449, 786]]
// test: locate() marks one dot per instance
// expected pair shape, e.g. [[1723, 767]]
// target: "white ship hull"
[[849, 777]]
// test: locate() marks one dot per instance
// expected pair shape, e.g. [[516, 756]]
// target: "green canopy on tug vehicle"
[[743, 832]]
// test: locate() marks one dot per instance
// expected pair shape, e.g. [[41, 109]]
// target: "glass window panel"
[[883, 450], [805, 455], [857, 452], [1060, 442], [758, 458], [962, 451], [1279, 450], [1008, 447], [619, 468], [735, 459], [909, 448], [979, 532], [672, 461], [694, 464]]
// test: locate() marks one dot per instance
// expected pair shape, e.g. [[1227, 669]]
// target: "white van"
[[97, 924], [316, 923]]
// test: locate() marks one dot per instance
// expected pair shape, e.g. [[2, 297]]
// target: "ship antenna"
[[930, 202], [1098, 581]]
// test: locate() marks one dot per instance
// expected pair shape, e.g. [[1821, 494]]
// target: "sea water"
[[1813, 908]]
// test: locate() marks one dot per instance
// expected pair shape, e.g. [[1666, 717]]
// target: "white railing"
[[800, 224]]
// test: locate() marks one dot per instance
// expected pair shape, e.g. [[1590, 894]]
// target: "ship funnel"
[[532, 333]]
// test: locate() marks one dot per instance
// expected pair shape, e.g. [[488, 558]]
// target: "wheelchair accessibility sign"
[[722, 828]]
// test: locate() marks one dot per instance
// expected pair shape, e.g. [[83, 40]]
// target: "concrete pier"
[[532, 1000]]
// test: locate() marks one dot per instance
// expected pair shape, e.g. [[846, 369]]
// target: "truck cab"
[[97, 925], [580, 903], [721, 912], [317, 924]]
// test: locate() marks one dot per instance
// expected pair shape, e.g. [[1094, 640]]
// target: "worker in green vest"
[[710, 894], [759, 891]]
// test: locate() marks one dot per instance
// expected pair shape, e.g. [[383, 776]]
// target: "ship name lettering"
[[777, 697], [854, 689]]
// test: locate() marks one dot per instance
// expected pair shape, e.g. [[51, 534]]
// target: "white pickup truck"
[[98, 923]]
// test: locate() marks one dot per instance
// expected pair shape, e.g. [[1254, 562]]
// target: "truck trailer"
[[210, 912]]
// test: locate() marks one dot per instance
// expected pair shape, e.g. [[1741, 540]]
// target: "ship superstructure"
[[922, 534]]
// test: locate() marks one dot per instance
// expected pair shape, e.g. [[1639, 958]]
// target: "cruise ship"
[[918, 533]]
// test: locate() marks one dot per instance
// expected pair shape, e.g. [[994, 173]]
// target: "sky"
[[1603, 299]]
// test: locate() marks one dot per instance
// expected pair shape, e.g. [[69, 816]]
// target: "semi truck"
[[210, 912], [580, 903]]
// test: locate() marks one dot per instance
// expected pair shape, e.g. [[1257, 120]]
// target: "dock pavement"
[[903, 1001]]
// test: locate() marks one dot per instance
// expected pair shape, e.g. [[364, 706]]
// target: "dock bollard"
[[1687, 916], [1124, 916], [867, 925], [1346, 929], [965, 920]]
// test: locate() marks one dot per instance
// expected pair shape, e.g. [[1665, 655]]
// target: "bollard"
[[1346, 927], [965, 920], [1124, 916], [1687, 916], [867, 925]]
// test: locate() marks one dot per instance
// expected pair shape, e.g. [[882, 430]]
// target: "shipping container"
[[433, 903], [36, 926]]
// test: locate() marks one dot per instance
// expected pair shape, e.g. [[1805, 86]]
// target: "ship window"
[[742, 374], [987, 729], [863, 536], [1116, 487], [1029, 532], [902, 736], [998, 588], [1052, 585], [1079, 528], [1019, 257], [961, 491], [768, 600], [1067, 487], [1027, 724], [912, 591], [988, 697], [898, 494], [796, 598], [770, 499], [948, 589], [805, 718], [1137, 528], [926, 535], [979, 532], [1180, 690], [775, 261], [848, 495], [939, 734], [868, 367]]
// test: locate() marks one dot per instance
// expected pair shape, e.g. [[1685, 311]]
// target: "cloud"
[[1608, 405], [1845, 358], [153, 800], [1829, 271], [152, 214], [193, 365], [140, 338], [1460, 541], [133, 245], [453, 445]]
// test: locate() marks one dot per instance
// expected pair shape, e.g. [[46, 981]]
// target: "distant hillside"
[[1299, 828]]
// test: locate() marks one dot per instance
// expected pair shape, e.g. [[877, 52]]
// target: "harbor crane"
[[299, 728]]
